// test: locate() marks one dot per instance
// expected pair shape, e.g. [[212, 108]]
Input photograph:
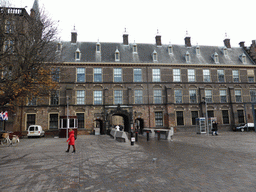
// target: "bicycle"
[[6, 141]]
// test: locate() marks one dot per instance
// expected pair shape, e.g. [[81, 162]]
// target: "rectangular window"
[[206, 74], [253, 95], [194, 115], [138, 96], [235, 74], [80, 118], [31, 119], [225, 117], [210, 114], [97, 97], [221, 75], [238, 95], [223, 96], [118, 97], [157, 96], [250, 74], [208, 96], [97, 74], [80, 97], [54, 121], [191, 75], [180, 118], [118, 75], [56, 74], [80, 72], [240, 114], [158, 119], [178, 95], [55, 98], [156, 75], [137, 75], [192, 96], [176, 75]]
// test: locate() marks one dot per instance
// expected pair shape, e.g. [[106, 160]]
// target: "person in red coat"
[[71, 140]]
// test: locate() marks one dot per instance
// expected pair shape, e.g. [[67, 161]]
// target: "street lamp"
[[67, 119], [206, 116]]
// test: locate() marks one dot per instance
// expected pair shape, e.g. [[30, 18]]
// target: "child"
[[71, 140]]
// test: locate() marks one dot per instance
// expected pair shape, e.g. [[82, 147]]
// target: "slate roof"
[[145, 54]]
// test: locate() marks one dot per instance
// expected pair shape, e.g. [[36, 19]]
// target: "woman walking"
[[71, 140]]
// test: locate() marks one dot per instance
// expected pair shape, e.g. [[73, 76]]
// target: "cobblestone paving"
[[190, 162]]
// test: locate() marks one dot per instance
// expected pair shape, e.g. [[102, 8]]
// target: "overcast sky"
[[206, 21]]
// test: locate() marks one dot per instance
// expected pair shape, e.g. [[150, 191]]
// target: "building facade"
[[144, 86]]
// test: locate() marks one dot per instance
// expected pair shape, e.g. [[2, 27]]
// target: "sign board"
[[4, 116]]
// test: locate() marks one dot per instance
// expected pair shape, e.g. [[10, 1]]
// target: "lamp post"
[[67, 119], [206, 116]]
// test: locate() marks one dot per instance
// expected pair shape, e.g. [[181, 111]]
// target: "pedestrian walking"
[[71, 140], [215, 128]]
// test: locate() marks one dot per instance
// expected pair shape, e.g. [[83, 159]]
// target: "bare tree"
[[27, 47]]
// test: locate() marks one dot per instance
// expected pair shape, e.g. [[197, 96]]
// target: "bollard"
[[136, 136], [132, 139], [147, 135]]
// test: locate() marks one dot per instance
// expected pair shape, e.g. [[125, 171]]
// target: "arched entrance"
[[139, 125], [125, 115]]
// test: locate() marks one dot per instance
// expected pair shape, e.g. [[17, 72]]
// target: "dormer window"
[[170, 51], [243, 58], [154, 55], [117, 55], [215, 57], [225, 51], [197, 50], [187, 57], [78, 54], [98, 48], [134, 48], [59, 46]]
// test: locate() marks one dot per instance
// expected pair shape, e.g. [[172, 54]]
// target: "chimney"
[[74, 36], [125, 38], [158, 39], [187, 42], [241, 44], [227, 43]]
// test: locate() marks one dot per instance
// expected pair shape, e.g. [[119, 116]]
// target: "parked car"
[[243, 127], [35, 131]]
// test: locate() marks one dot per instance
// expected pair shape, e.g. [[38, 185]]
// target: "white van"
[[35, 131]]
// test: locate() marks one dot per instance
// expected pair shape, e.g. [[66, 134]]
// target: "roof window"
[[197, 50], [98, 47], [225, 51], [134, 48], [215, 57], [154, 55], [170, 49], [187, 57], [78, 54], [243, 58], [117, 55]]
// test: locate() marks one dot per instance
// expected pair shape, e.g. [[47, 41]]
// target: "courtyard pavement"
[[190, 162]]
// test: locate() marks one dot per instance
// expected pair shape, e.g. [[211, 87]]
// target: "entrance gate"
[[124, 111]]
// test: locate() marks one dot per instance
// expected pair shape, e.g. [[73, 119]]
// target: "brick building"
[[154, 85], [149, 85]]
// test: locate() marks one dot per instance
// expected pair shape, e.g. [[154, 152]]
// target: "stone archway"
[[125, 114]]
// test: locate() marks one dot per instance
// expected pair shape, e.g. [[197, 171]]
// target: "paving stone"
[[190, 162]]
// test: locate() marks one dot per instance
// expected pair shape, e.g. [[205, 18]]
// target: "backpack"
[[75, 137]]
